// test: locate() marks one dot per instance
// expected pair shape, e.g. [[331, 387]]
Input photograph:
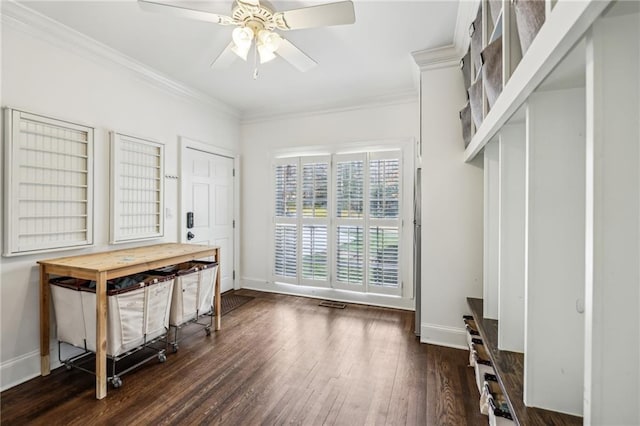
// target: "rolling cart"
[[137, 319], [193, 296]]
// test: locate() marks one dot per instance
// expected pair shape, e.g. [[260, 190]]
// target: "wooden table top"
[[118, 259]]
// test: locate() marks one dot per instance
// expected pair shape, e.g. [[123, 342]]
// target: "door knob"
[[190, 236]]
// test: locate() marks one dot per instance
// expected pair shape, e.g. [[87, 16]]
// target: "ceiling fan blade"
[[184, 12], [225, 58], [295, 56], [249, 2], [251, 6], [323, 15]]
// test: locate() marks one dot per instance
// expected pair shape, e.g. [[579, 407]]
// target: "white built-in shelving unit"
[[561, 150]]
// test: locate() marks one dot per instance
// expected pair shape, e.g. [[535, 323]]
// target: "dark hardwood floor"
[[278, 359]]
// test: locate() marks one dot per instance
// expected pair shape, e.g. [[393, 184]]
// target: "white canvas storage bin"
[[67, 306], [481, 363], [193, 290], [135, 315]]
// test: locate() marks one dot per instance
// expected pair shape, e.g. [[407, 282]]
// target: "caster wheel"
[[208, 331], [162, 357], [68, 367], [174, 347], [116, 382]]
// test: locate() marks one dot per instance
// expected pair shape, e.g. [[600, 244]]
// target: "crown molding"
[[31, 22], [448, 56], [395, 98], [439, 57]]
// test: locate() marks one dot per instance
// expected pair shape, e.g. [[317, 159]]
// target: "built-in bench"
[[509, 368]]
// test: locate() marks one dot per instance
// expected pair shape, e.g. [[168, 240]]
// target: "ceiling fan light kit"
[[256, 23]]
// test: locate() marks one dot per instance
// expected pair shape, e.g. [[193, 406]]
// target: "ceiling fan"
[[256, 22]]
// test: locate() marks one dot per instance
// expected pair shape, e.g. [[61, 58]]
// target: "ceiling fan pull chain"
[[255, 61]]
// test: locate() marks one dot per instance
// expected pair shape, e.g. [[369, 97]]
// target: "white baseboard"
[[24, 368], [19, 369], [441, 335], [329, 293]]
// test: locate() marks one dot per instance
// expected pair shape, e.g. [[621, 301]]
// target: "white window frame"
[[117, 233], [12, 182]]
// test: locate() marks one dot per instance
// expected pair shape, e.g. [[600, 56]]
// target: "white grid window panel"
[[137, 188], [48, 184]]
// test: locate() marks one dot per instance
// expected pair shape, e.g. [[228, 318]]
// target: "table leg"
[[217, 293], [45, 366], [101, 335]]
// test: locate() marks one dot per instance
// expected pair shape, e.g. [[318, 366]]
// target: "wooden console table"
[[104, 266]]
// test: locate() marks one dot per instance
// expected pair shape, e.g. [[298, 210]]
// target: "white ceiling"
[[357, 63]]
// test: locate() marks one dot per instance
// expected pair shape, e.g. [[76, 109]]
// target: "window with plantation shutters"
[[49, 187], [350, 257], [286, 230], [384, 221], [338, 221]]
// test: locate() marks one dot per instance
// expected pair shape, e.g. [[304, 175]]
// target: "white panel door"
[[208, 186]]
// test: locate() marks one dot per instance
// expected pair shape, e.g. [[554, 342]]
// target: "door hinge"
[[233, 223], [234, 274], [233, 172]]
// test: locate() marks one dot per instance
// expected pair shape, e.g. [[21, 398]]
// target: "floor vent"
[[330, 304]]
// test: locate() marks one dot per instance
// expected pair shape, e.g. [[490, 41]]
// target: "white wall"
[[452, 217], [44, 78], [259, 140], [555, 250]]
